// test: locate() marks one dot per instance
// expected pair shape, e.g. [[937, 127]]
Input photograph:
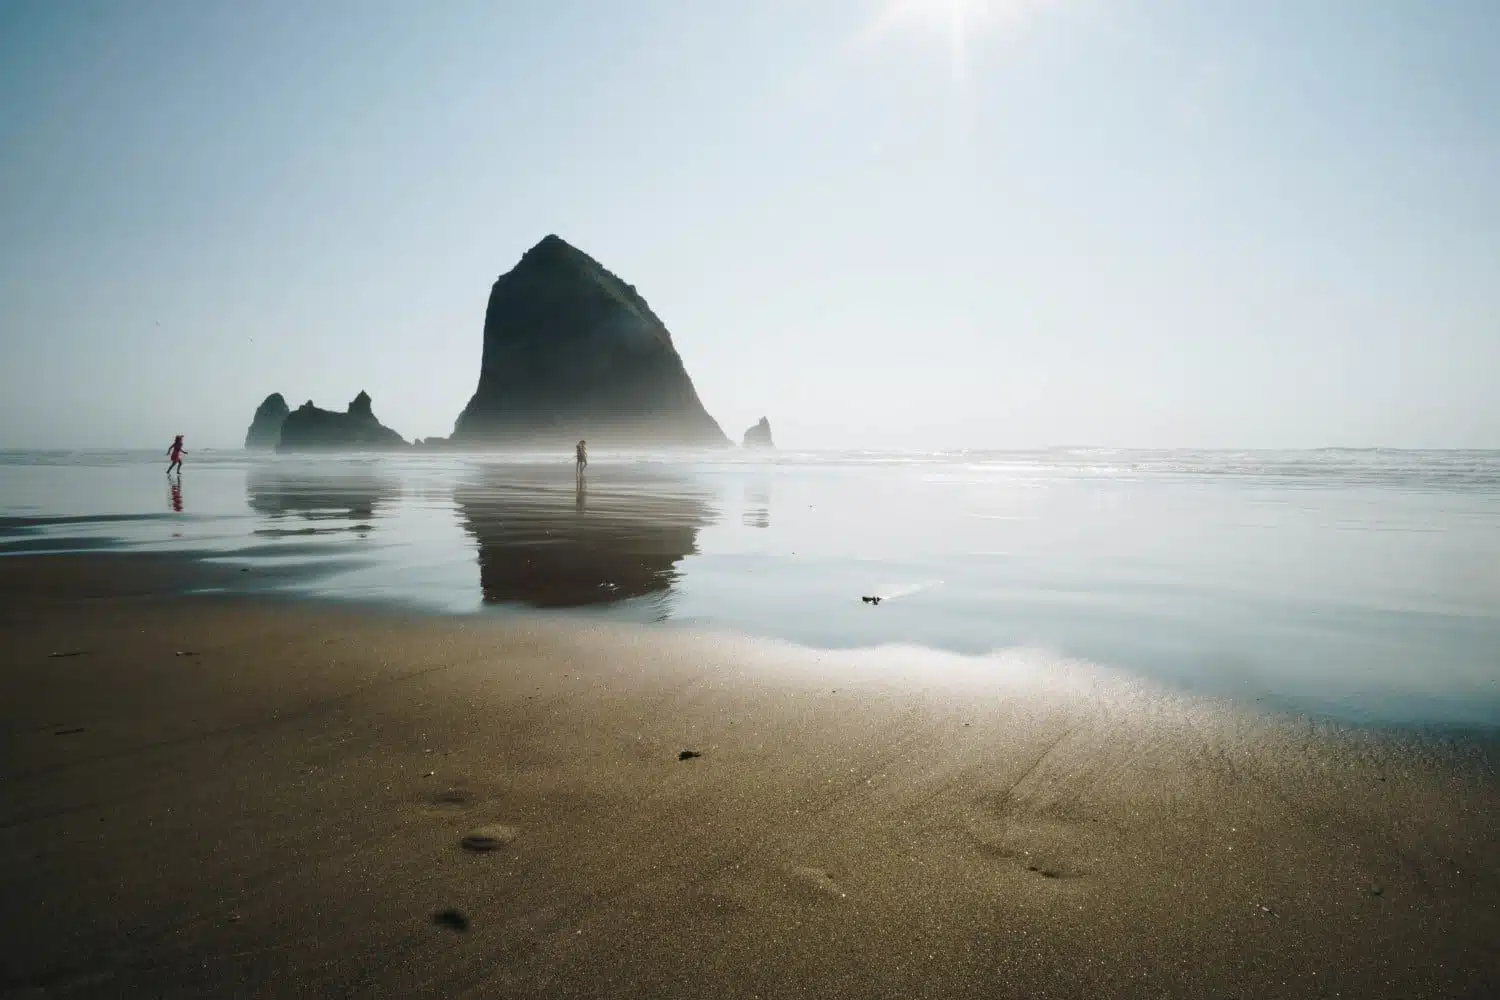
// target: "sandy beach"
[[205, 795]]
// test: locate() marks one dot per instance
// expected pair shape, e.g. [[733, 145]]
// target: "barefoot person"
[[175, 453], [580, 457]]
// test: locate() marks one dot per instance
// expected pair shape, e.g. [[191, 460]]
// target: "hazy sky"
[[1240, 223]]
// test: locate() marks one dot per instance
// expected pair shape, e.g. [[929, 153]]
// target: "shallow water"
[[1364, 585]]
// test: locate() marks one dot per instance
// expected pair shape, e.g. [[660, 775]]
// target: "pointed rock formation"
[[570, 352], [308, 428], [265, 426], [759, 436]]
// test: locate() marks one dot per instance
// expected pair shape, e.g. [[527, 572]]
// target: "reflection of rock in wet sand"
[[352, 494], [757, 512], [546, 542]]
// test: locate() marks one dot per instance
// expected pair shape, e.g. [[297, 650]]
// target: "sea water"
[[1363, 585]]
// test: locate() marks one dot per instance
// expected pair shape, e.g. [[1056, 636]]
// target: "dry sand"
[[260, 799]]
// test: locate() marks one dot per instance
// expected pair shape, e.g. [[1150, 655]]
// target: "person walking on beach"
[[175, 453], [581, 457]]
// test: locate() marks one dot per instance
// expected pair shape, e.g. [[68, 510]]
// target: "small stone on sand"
[[688, 755]]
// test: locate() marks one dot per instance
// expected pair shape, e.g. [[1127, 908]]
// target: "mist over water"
[[1360, 584]]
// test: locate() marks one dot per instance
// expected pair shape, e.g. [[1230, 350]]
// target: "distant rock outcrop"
[[570, 352], [759, 436], [265, 426], [308, 428]]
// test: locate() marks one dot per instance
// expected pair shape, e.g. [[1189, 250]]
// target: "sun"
[[958, 21], [938, 13]]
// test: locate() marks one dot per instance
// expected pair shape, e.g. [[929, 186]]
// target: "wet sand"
[[214, 796]]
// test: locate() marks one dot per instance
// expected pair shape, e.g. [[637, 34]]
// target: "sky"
[[880, 223]]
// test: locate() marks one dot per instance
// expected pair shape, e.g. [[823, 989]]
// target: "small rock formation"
[[572, 352], [265, 427], [759, 436], [308, 428]]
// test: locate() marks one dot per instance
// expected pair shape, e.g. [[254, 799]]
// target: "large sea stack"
[[265, 426], [308, 428], [570, 352]]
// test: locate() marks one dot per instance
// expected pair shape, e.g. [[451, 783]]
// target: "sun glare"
[[958, 21], [942, 13]]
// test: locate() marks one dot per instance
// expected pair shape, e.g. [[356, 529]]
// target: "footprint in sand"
[[449, 804], [455, 805], [490, 837], [819, 881], [1040, 846], [1054, 871]]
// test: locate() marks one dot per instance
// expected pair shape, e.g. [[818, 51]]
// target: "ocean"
[[1358, 585]]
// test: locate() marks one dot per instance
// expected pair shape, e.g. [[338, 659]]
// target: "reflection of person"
[[175, 453], [176, 495], [581, 456]]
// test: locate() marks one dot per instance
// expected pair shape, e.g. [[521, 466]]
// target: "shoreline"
[[245, 796], [209, 574], [1216, 578]]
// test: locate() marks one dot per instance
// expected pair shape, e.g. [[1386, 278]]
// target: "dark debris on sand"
[[452, 919], [688, 755]]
